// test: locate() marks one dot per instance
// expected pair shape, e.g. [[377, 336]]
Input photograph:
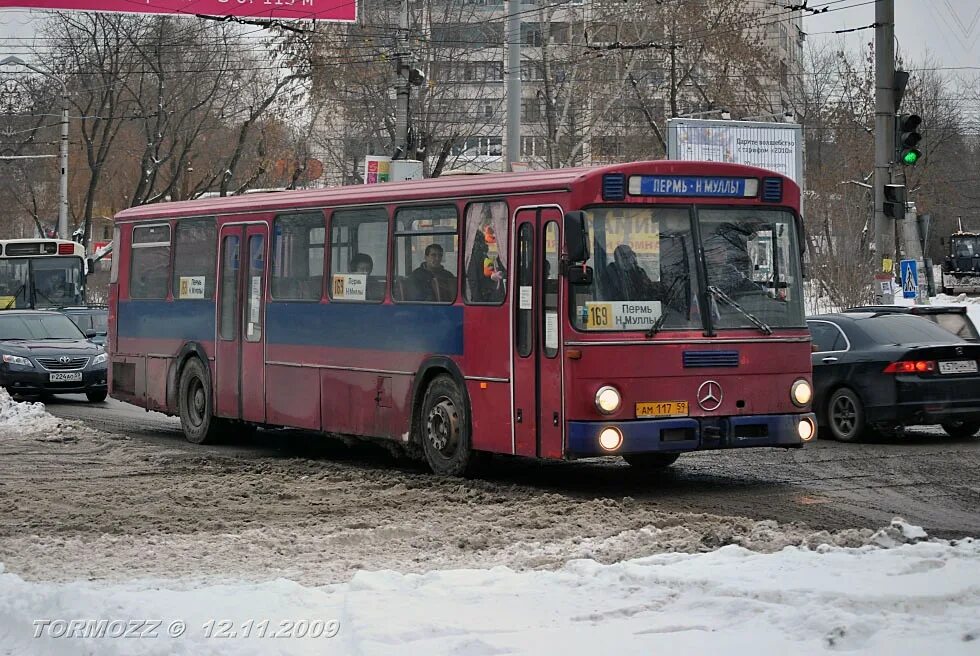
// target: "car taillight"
[[911, 367], [65, 249]]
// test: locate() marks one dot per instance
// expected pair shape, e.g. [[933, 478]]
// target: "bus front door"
[[538, 416], [240, 352]]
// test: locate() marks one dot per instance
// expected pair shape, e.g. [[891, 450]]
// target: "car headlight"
[[16, 359], [100, 358], [607, 400], [801, 393]]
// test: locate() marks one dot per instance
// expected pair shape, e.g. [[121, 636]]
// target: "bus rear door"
[[537, 378], [240, 353]]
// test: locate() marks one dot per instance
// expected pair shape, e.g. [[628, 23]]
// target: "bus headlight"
[[806, 429], [610, 438], [801, 392], [607, 400]]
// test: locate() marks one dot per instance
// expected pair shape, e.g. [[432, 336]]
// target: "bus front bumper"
[[692, 434]]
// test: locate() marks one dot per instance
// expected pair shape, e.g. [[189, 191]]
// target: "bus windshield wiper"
[[664, 309], [722, 296]]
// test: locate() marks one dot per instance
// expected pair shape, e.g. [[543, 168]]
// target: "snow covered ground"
[[916, 597], [152, 585]]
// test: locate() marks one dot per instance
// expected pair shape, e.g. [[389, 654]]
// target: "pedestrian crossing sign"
[[910, 278]]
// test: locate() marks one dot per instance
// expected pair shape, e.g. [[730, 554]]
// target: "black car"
[[950, 317], [43, 352], [90, 319], [882, 371]]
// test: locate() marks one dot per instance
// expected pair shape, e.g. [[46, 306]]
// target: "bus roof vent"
[[613, 186], [772, 190]]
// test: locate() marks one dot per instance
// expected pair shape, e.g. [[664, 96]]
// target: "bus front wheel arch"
[[195, 403], [444, 427]]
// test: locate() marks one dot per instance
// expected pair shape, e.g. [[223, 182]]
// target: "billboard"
[[774, 146], [321, 10]]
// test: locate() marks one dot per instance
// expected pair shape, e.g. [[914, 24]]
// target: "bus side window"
[[149, 273], [195, 243], [358, 255], [426, 254], [297, 257], [485, 253]]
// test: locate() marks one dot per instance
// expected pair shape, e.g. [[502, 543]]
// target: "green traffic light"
[[910, 157]]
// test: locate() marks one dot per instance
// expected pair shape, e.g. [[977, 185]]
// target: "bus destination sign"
[[689, 185]]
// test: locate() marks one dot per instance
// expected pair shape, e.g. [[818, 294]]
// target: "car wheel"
[[961, 428], [445, 428], [96, 397], [651, 461], [195, 404], [845, 415]]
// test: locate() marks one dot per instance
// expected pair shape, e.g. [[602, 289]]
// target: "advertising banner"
[[343, 11]]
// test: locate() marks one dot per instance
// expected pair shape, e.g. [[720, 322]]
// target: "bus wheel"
[[445, 428], [195, 404], [651, 460]]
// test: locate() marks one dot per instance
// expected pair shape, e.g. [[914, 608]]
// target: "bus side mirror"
[[576, 244], [579, 275]]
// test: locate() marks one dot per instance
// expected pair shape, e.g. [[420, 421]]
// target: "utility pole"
[[512, 43], [402, 88], [884, 138]]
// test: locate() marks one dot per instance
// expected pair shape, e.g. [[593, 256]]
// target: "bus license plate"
[[66, 377], [662, 409], [958, 367]]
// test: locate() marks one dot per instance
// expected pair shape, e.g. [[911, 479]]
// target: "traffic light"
[[907, 138], [894, 203]]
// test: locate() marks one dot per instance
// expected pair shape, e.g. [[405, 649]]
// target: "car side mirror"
[[89, 334]]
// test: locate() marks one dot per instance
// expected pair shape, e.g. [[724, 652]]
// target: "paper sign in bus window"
[[551, 330], [350, 286], [255, 298], [191, 287], [526, 296], [621, 315]]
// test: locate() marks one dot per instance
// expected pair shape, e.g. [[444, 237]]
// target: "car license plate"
[[66, 377], [958, 367], [662, 409]]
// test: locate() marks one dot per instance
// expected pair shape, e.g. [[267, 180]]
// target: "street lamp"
[[63, 187]]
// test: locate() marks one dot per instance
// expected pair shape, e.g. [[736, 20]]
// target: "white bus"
[[41, 273]]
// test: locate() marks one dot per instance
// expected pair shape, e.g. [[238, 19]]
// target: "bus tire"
[[651, 461], [445, 428], [195, 404]]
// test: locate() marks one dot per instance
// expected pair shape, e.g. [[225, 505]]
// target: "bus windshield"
[[41, 282], [646, 273]]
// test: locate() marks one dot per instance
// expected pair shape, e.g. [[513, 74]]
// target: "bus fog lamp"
[[806, 429], [607, 400], [801, 392], [610, 438]]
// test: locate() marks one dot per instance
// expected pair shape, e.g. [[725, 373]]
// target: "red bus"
[[644, 310]]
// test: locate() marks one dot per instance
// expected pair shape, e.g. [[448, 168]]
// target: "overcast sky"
[[948, 30]]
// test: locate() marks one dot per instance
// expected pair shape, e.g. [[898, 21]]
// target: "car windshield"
[[38, 326], [97, 321], [905, 329], [645, 268], [41, 282]]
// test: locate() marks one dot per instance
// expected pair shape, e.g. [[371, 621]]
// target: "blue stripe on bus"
[[186, 320], [405, 328], [409, 328]]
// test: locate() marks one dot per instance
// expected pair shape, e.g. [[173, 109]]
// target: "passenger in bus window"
[[626, 280], [362, 263], [485, 274], [431, 281]]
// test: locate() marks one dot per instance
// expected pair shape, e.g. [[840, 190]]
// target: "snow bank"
[[30, 420], [914, 598]]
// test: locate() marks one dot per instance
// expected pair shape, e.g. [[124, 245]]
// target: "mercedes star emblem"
[[710, 395]]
